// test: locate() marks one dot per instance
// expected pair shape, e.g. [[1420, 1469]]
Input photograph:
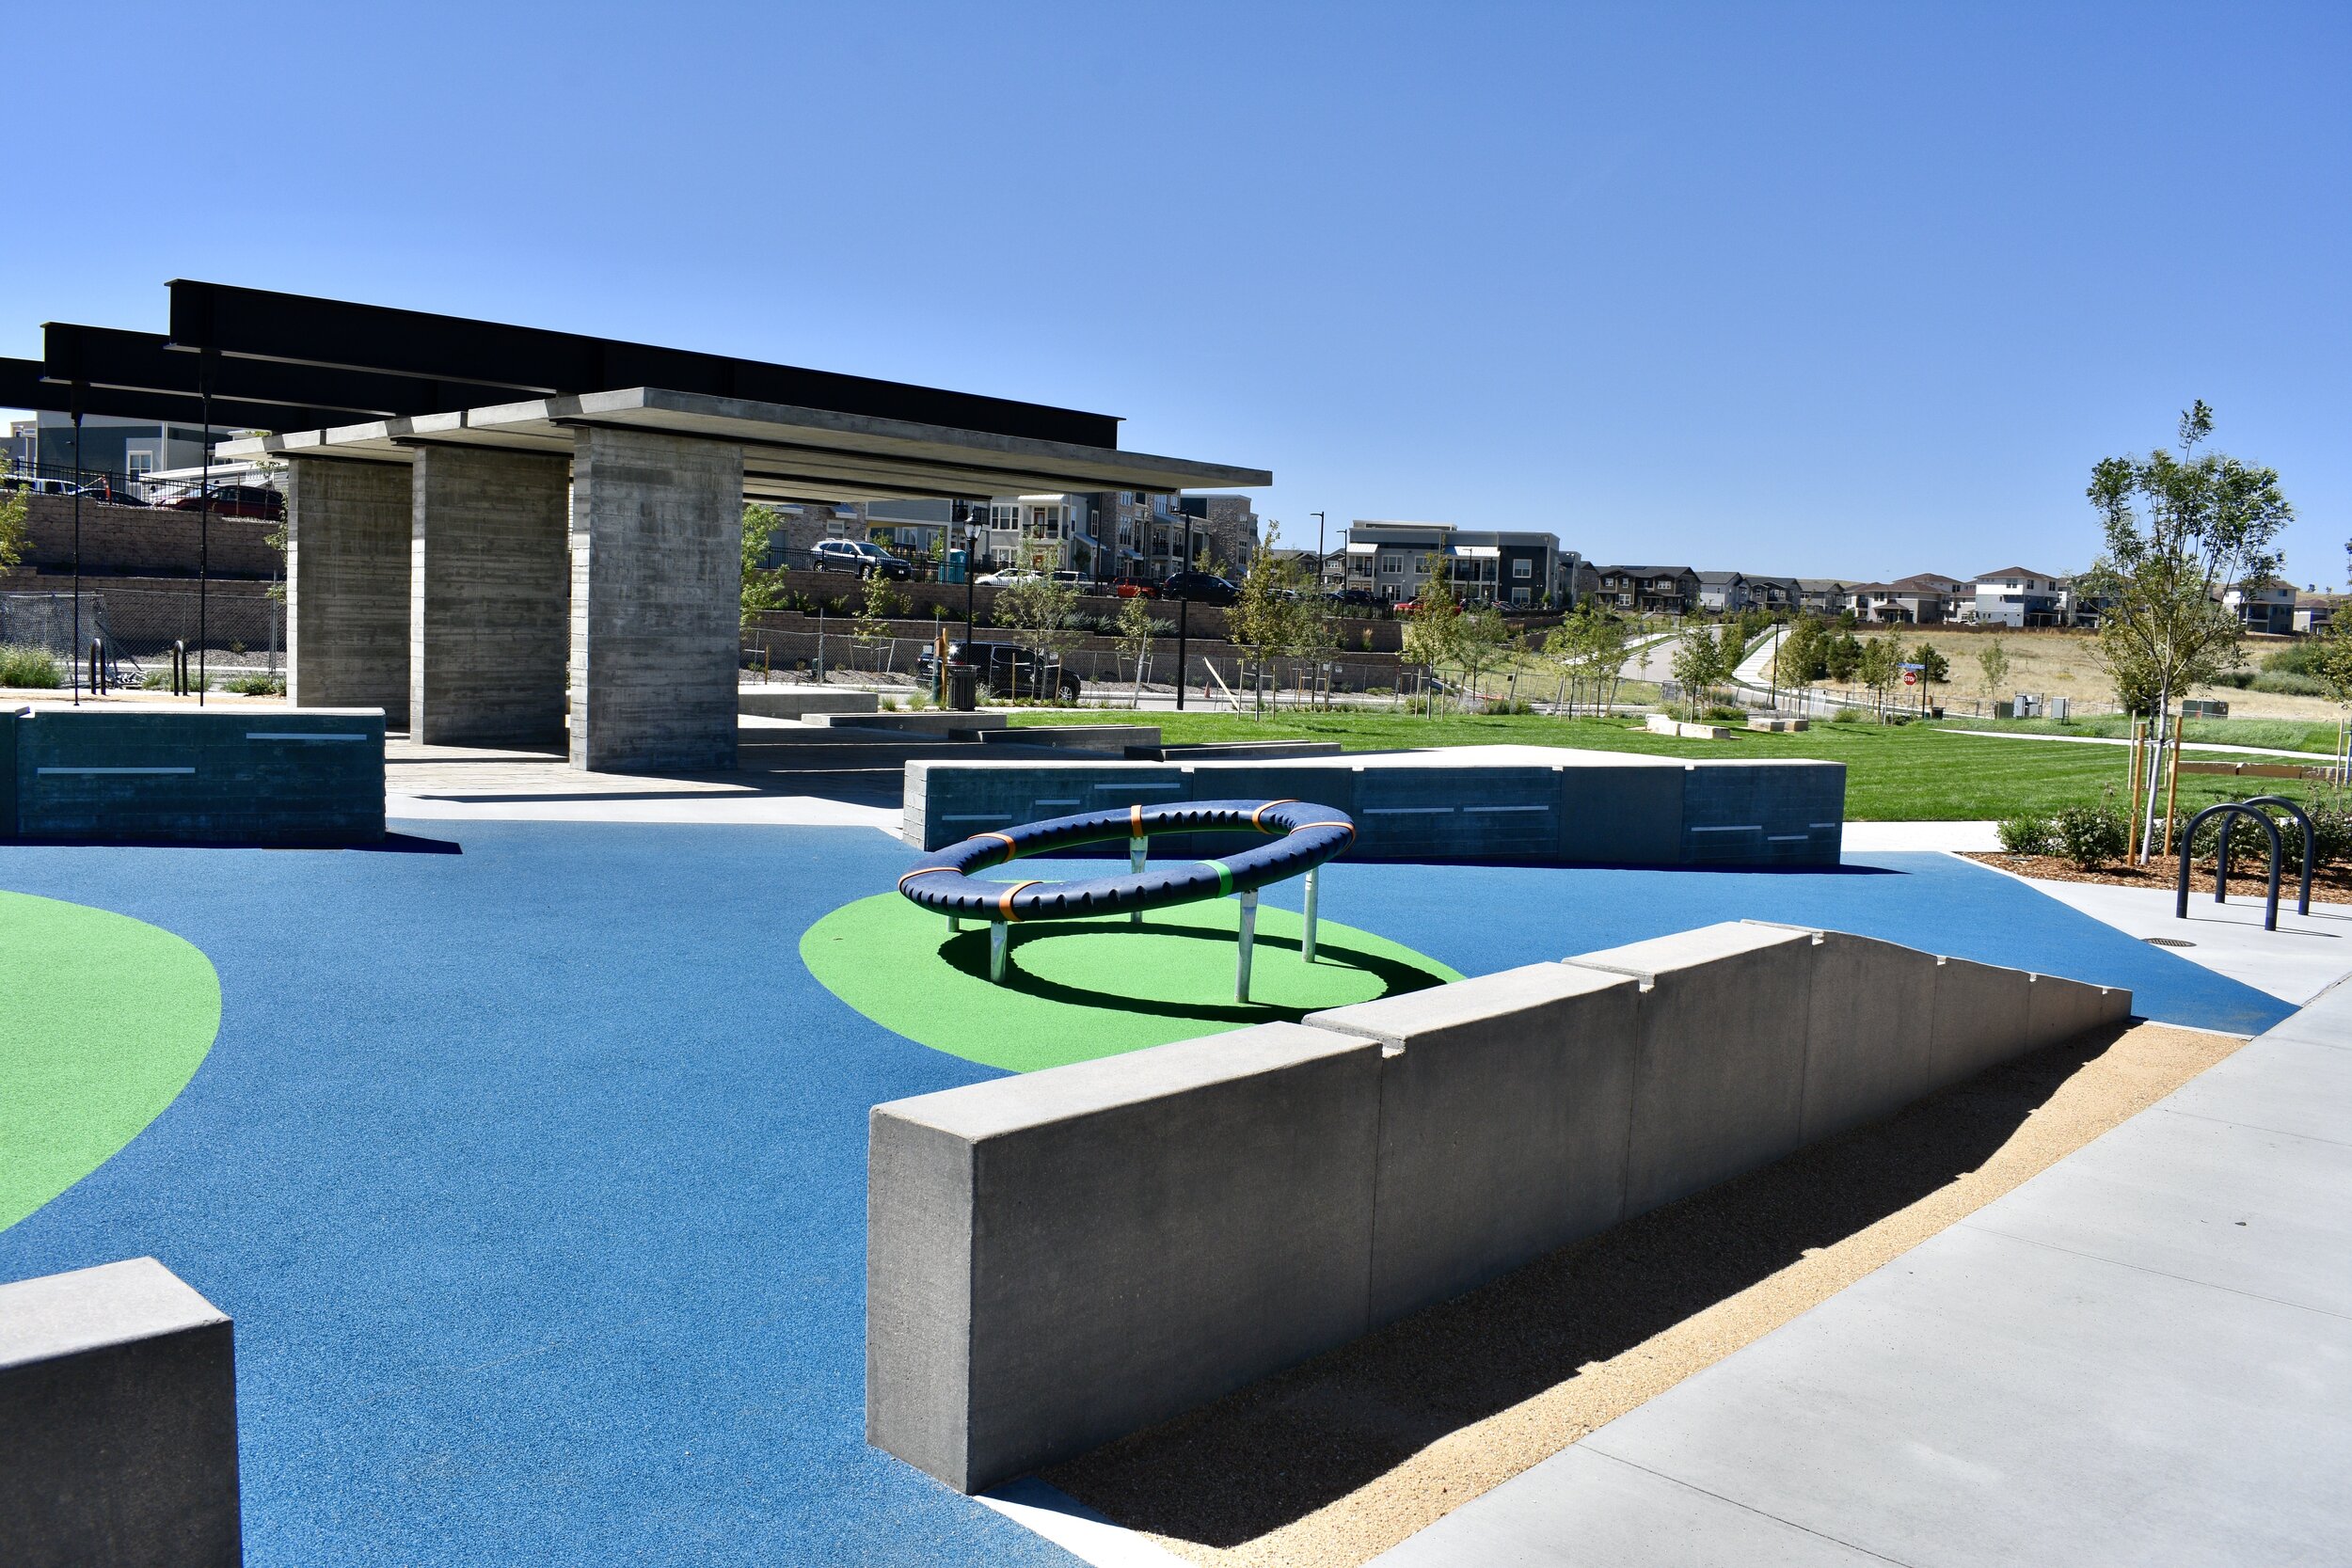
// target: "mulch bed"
[[2160, 872]]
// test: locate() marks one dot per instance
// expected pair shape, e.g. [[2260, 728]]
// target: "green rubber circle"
[[1076, 989], [103, 1020]]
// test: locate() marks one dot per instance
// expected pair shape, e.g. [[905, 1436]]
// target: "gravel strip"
[[1334, 1462]]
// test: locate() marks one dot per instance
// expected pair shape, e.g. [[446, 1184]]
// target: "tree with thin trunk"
[[1993, 660]]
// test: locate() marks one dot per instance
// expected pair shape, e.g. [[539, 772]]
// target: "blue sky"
[[1829, 290]]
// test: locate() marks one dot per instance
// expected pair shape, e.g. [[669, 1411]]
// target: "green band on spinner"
[[1224, 876]]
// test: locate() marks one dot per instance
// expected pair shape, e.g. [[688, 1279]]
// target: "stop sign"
[[1911, 677]]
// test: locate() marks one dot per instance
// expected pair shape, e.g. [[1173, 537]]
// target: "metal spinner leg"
[[954, 925], [1306, 943], [1248, 936], [1138, 848], [997, 933]]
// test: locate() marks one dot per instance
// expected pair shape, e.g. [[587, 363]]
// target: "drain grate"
[[2168, 942]]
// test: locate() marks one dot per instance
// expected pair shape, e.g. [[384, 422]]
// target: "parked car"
[[1356, 599], [1007, 578], [859, 556], [237, 500], [107, 493], [1006, 668], [38, 486], [1201, 588], [1134, 588]]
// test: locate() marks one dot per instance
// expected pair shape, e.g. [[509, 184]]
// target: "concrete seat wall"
[[221, 775], [117, 1422], [1610, 811], [1059, 1259]]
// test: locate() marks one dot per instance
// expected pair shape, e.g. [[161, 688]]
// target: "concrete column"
[[657, 601], [489, 571], [347, 585]]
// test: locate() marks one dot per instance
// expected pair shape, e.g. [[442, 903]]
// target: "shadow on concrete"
[[968, 951], [1272, 1454], [391, 844]]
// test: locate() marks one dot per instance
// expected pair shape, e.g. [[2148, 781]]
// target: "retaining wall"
[[124, 773], [1059, 1259], [1515, 803]]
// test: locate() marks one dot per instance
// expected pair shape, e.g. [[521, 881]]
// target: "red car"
[[238, 500], [1134, 588]]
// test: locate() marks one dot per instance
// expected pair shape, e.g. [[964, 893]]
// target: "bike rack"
[[2234, 810], [2303, 897]]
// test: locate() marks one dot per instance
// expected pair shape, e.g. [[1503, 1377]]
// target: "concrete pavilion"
[[493, 530], [465, 570]]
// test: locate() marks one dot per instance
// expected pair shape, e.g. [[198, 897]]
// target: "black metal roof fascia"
[[299, 330], [23, 386], [145, 362]]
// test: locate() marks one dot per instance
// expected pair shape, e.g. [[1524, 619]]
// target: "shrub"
[[1508, 704], [2025, 834], [1724, 713], [1849, 715], [255, 684], [31, 667], [2088, 836], [2289, 684]]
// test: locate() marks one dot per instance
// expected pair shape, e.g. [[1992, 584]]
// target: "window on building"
[[1523, 568], [1518, 596], [1390, 566]]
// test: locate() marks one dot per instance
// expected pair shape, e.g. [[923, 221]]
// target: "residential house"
[[1393, 560], [1779, 595], [2265, 605], [1650, 588], [1822, 595], [2018, 596], [1725, 593]]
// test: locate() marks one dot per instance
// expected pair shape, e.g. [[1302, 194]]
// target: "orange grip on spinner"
[[1003, 905]]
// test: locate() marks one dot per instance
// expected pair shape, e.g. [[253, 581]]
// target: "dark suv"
[[1006, 670], [1201, 588], [857, 555]]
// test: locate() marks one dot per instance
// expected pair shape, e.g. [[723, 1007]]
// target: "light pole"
[[1184, 615], [1321, 561]]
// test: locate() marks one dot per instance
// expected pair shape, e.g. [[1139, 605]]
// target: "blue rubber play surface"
[[533, 1175]]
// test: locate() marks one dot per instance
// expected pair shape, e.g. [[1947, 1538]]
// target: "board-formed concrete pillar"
[[347, 528], [487, 626], [657, 601]]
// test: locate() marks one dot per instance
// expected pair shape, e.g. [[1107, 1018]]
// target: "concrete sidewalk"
[[2143, 1355], [2305, 956]]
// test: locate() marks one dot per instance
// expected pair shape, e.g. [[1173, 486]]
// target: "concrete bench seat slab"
[[798, 702], [117, 1422], [1058, 1258]]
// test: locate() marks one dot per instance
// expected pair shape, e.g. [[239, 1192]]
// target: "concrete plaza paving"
[[2144, 1355], [2294, 963]]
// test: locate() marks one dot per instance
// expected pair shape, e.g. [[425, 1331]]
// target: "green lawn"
[[2286, 734], [1907, 774]]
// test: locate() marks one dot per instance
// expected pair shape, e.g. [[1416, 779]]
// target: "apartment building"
[[1395, 561]]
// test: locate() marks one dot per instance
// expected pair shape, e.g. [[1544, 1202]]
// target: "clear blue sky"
[[1829, 290]]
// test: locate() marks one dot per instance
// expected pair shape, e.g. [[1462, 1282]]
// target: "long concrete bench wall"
[[224, 775], [117, 1422], [1059, 1259], [1601, 809]]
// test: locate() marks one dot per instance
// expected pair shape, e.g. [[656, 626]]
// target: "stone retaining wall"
[[1059, 1259]]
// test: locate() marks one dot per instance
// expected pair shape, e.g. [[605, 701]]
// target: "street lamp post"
[[1322, 562], [1183, 616]]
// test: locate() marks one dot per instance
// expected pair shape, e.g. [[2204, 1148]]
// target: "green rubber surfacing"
[[1076, 989], [103, 1020]]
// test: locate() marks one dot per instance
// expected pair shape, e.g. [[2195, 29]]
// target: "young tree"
[[763, 588], [1797, 661], [1841, 657], [1934, 670], [1135, 630], [1264, 620], [1432, 636], [16, 534], [2179, 531], [1698, 663], [1482, 639], [1037, 610], [1880, 667], [877, 604], [1993, 660]]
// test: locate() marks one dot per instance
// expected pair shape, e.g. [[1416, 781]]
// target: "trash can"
[[963, 687]]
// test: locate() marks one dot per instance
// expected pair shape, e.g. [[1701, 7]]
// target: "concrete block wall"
[[655, 602], [489, 622], [147, 541], [117, 1422], [1059, 1259], [1591, 808], [347, 582], [226, 775]]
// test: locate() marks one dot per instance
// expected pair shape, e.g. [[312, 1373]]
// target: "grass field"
[[1914, 773], [2286, 734]]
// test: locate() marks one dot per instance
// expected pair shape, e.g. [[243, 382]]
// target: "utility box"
[[2204, 708]]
